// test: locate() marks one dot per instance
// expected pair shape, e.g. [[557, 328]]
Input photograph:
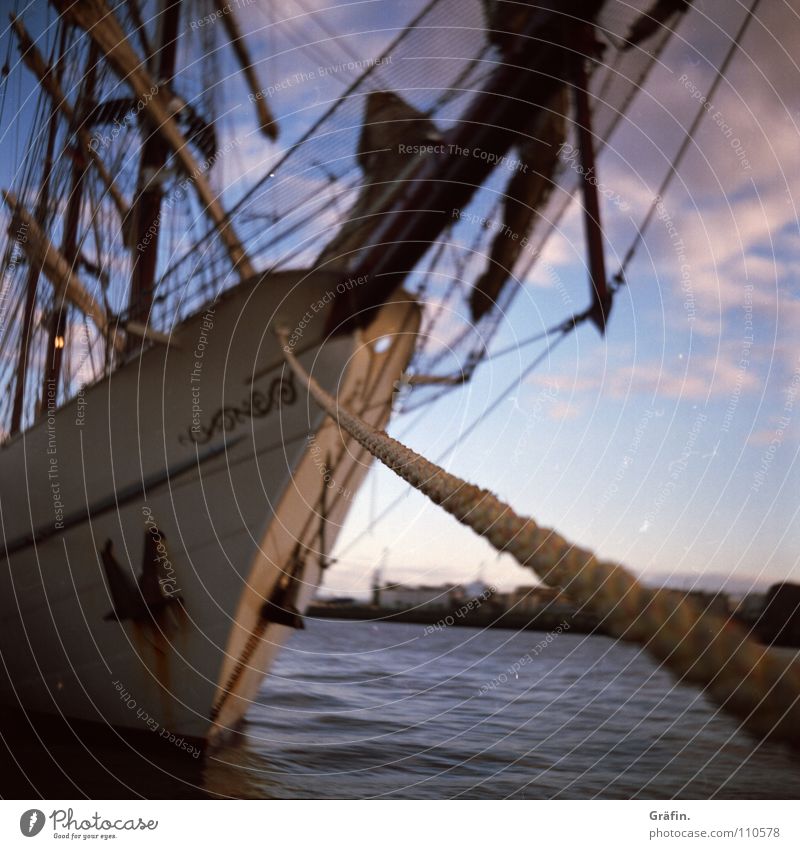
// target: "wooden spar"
[[265, 118], [435, 379], [601, 297], [146, 225], [100, 23], [32, 282], [54, 352], [34, 60], [136, 328], [43, 255]]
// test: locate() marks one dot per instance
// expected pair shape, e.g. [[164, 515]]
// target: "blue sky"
[[672, 444]]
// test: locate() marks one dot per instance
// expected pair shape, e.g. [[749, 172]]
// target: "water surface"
[[383, 710]]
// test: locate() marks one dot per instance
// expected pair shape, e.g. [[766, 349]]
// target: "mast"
[[160, 106], [32, 281], [58, 319], [33, 59], [265, 120], [149, 195], [53, 264]]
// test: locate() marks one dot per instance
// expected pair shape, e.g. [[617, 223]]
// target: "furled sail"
[[393, 136], [527, 189], [651, 21]]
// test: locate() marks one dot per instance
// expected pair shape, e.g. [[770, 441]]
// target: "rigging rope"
[[687, 140], [613, 72], [756, 684], [551, 346], [309, 134], [562, 327]]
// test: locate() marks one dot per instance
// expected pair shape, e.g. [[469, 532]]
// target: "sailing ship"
[[170, 497]]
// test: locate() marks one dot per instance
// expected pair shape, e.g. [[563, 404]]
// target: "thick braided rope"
[[760, 686]]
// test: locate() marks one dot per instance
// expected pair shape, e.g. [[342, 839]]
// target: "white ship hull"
[[147, 522]]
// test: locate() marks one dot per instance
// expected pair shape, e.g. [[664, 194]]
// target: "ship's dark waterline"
[[380, 710]]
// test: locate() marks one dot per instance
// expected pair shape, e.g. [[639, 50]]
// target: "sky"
[[671, 444]]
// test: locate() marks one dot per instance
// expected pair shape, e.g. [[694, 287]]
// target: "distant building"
[[531, 599], [338, 601], [527, 600], [475, 589], [751, 607], [401, 597]]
